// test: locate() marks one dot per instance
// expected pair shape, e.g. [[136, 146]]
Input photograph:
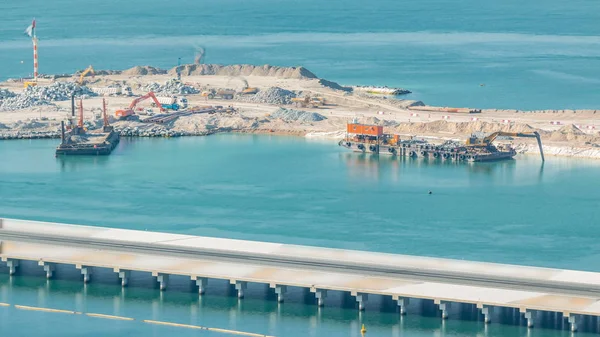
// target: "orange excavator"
[[129, 113]]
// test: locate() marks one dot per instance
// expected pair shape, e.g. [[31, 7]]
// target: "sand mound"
[[570, 130], [570, 133], [243, 70], [334, 85], [143, 70], [464, 128]]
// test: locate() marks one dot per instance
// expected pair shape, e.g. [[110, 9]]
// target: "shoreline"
[[274, 109], [521, 148]]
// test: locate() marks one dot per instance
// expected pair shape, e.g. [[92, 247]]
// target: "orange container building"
[[361, 129]]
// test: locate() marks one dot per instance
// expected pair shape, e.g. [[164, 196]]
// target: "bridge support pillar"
[[402, 303], [201, 282], [361, 299], [444, 307], [240, 286], [12, 265], [280, 291], [572, 321], [528, 316], [320, 295], [86, 272], [123, 276], [486, 311], [162, 279], [48, 268]]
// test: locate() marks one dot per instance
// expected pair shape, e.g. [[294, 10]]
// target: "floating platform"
[[78, 141], [420, 149], [93, 143], [371, 139]]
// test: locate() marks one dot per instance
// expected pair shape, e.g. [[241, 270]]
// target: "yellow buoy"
[[363, 330]]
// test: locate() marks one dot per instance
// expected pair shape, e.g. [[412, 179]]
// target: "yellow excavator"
[[487, 141], [88, 70], [248, 90]]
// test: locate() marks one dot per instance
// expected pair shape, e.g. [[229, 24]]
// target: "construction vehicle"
[[222, 94], [319, 101], [88, 70], [247, 89], [486, 142], [308, 102], [129, 113], [114, 91], [28, 84], [173, 102]]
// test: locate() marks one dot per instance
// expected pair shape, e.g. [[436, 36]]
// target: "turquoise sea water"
[[529, 54], [291, 190]]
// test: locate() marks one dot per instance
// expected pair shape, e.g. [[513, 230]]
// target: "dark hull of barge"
[[431, 151], [101, 145]]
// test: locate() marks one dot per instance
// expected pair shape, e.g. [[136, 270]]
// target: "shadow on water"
[[372, 165], [220, 307], [76, 163]]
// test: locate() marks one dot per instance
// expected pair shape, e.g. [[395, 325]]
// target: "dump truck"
[[113, 91], [218, 94], [308, 102], [173, 102]]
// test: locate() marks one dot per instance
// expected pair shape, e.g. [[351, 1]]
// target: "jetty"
[[488, 287]]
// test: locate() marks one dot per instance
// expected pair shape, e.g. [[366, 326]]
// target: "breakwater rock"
[[44, 95]]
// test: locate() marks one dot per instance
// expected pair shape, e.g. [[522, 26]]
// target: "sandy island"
[[564, 132]]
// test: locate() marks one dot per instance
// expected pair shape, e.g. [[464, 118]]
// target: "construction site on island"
[[203, 99]]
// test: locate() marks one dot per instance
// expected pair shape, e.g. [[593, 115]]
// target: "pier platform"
[[488, 286]]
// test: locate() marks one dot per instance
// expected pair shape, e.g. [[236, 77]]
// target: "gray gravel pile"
[[5, 93], [28, 124], [21, 101], [157, 131], [273, 95], [291, 115], [171, 88], [44, 95]]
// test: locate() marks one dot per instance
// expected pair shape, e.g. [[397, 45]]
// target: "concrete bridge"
[[490, 287]]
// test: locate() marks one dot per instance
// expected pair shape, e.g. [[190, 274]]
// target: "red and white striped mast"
[[35, 53]]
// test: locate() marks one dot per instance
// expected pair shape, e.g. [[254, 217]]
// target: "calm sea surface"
[[528, 54], [291, 190]]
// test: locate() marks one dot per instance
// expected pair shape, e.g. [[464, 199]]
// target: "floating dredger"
[[371, 139]]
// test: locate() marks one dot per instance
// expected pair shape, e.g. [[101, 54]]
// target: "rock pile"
[[33, 96], [273, 95], [5, 93], [156, 131], [171, 88], [291, 115]]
